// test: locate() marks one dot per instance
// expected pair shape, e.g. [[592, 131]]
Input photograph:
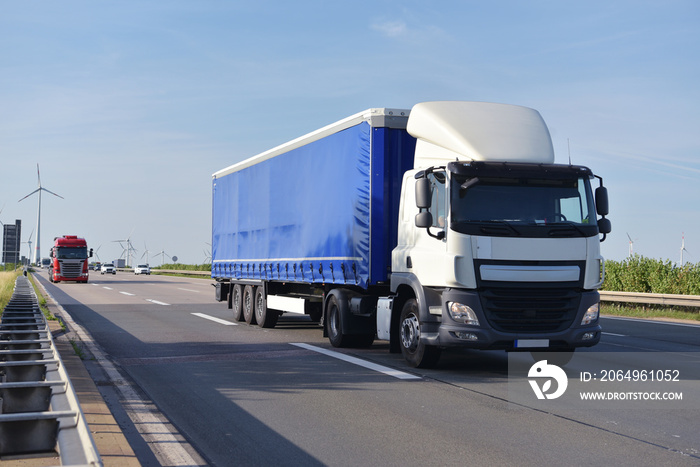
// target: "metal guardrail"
[[692, 301], [651, 298], [169, 271], [182, 271], [39, 409]]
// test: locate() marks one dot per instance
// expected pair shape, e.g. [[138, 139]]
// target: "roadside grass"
[[77, 348], [42, 302], [185, 267], [156, 272], [186, 270], [7, 287], [650, 312]]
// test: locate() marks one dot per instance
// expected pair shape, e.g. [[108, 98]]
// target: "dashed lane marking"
[[215, 319], [157, 302]]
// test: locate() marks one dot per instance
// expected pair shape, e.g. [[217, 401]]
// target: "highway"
[[191, 387]]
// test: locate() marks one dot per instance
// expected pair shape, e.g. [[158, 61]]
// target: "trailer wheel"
[[237, 302], [416, 353], [334, 324], [248, 304], [265, 318]]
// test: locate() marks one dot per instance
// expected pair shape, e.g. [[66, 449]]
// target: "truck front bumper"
[[450, 333]]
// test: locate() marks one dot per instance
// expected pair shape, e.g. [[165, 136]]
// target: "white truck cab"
[[498, 247]]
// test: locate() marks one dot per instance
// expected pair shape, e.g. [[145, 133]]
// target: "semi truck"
[[446, 225], [69, 259]]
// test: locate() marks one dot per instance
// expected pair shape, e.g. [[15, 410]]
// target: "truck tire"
[[265, 318], [416, 353], [334, 324], [237, 302], [249, 304]]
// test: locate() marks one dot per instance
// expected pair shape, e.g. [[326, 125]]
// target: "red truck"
[[69, 259]]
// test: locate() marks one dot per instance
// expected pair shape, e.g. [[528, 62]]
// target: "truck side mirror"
[[604, 226], [90, 253], [601, 201], [423, 193], [424, 219]]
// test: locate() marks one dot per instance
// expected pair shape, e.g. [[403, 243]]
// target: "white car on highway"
[[108, 268], [142, 269]]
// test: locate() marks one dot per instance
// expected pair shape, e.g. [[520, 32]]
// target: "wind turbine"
[[129, 247], [145, 252], [96, 255], [207, 254], [37, 248], [683, 247], [29, 242], [163, 254], [631, 253]]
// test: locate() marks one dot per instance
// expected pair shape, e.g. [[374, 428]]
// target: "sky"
[[129, 107]]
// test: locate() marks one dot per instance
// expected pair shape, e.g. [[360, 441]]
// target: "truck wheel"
[[334, 324], [237, 302], [416, 353], [248, 304], [265, 318]]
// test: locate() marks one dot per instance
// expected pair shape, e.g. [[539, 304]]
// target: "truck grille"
[[71, 269], [530, 310]]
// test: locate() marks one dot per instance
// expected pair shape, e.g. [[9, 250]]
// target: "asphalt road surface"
[[189, 386]]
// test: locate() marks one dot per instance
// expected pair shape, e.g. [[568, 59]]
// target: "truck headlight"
[[462, 313], [591, 314]]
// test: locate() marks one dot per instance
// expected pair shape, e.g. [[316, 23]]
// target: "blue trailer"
[[317, 211], [446, 225]]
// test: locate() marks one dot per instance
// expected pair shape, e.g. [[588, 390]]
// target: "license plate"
[[531, 343]]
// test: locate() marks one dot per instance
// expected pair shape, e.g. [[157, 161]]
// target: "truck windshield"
[[79, 252], [523, 206]]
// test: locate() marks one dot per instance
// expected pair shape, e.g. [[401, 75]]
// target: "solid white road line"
[[215, 319], [356, 361]]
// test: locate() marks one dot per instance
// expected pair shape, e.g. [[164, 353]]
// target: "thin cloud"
[[391, 28]]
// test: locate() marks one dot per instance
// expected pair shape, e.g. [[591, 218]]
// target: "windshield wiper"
[[468, 184], [567, 226], [496, 227]]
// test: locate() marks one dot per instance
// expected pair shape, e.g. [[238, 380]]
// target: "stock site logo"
[[547, 373]]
